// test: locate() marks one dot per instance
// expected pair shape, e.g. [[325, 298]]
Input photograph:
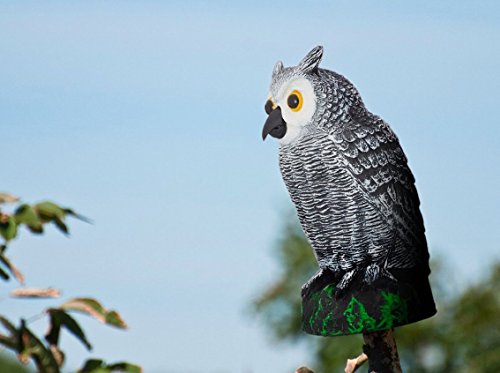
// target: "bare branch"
[[303, 370], [353, 364], [382, 352]]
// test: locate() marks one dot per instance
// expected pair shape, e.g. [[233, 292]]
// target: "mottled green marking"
[[324, 329], [317, 311], [317, 316], [329, 331], [357, 317], [393, 310], [329, 290], [327, 319]]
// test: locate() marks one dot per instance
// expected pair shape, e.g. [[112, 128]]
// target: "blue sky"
[[146, 117]]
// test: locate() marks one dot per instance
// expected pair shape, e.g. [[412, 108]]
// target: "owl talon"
[[388, 274], [344, 283], [374, 272]]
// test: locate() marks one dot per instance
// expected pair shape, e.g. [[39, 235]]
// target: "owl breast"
[[344, 230]]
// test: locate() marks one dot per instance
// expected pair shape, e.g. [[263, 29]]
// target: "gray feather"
[[350, 182]]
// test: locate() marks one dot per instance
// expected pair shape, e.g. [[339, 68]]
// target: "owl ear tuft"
[[278, 67], [311, 61]]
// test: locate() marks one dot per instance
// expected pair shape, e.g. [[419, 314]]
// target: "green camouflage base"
[[360, 308]]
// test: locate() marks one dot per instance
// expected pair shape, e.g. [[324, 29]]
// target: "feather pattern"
[[352, 187]]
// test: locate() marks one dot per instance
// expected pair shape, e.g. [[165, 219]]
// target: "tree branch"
[[353, 364], [303, 370], [382, 352]]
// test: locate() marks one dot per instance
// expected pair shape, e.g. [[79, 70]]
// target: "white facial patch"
[[296, 120]]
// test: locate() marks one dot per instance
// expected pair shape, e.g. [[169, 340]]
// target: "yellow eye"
[[295, 100]]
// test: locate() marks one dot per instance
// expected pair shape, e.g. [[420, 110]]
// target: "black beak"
[[275, 125]]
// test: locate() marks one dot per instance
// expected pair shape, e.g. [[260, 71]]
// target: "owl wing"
[[371, 153]]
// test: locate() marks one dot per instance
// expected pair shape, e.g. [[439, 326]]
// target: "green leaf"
[[8, 227], [125, 367], [61, 225], [86, 305], [58, 355], [91, 366], [72, 213], [9, 326], [93, 308], [8, 342], [99, 366], [31, 347], [12, 340], [12, 268], [4, 275], [114, 318], [58, 319], [47, 211], [25, 214]]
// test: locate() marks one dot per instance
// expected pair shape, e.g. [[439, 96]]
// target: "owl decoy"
[[347, 176]]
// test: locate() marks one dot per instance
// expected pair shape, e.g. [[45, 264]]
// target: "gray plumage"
[[350, 182]]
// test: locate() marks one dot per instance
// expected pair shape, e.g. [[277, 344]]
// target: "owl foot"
[[374, 272], [369, 275], [344, 282]]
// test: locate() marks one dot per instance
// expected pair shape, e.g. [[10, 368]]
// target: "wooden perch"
[[380, 351], [303, 370], [353, 364]]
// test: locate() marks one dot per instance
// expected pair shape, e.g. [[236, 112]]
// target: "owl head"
[[306, 98]]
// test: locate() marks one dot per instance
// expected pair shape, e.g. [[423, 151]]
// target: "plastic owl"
[[347, 176]]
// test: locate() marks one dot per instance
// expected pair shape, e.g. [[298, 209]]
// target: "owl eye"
[[295, 100], [269, 106]]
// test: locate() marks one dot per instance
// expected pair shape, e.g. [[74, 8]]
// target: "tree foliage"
[[11, 366], [45, 352], [463, 337]]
